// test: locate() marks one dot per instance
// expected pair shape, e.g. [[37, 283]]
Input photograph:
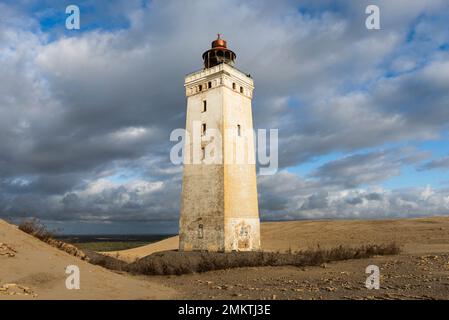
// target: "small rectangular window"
[[204, 106], [209, 84], [233, 86], [200, 231], [203, 129], [203, 153], [200, 88], [241, 89], [239, 130]]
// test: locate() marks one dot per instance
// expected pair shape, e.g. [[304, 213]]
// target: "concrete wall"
[[219, 209], [202, 202], [242, 230]]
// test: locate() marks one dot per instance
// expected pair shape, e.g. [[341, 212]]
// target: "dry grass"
[[105, 261], [177, 263], [36, 228]]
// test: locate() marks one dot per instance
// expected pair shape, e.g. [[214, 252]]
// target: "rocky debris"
[[349, 286], [38, 231], [13, 289], [431, 263], [401, 278], [70, 249], [6, 250]]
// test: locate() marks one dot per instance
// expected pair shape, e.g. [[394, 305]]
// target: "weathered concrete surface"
[[219, 209]]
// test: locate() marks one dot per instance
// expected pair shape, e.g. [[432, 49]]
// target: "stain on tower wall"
[[243, 234], [201, 222]]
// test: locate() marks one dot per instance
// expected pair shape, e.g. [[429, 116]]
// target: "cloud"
[[319, 200], [442, 164], [85, 117], [366, 168]]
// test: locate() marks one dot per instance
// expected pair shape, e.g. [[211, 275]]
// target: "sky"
[[86, 115]]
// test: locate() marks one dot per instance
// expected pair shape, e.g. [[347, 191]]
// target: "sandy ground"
[[421, 271], [401, 277], [31, 269], [130, 255]]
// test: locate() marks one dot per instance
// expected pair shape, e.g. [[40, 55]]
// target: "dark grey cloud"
[[367, 168], [316, 201]]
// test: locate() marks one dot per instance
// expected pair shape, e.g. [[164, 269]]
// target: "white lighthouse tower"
[[219, 207]]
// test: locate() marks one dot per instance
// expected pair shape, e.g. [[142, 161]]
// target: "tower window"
[[200, 231], [204, 106], [203, 153], [203, 129], [241, 89], [233, 86], [239, 130], [209, 84], [200, 88]]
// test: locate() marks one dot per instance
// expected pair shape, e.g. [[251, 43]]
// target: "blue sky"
[[85, 116]]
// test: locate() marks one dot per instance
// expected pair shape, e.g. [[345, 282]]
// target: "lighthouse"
[[219, 205]]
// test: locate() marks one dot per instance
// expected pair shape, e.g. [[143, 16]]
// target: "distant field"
[[106, 246], [106, 243]]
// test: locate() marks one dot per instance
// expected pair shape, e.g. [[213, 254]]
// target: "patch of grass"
[[37, 229], [105, 261], [106, 246], [177, 263]]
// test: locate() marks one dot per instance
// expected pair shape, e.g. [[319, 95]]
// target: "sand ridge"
[[36, 270]]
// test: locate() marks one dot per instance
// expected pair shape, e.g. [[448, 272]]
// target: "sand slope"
[[415, 235], [35, 268], [130, 255], [40, 269]]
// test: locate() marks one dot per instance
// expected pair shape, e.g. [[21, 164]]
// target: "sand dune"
[[31, 269], [131, 255], [415, 235]]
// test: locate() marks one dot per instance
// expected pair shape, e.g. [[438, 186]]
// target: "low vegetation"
[[36, 228], [177, 263], [105, 261]]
